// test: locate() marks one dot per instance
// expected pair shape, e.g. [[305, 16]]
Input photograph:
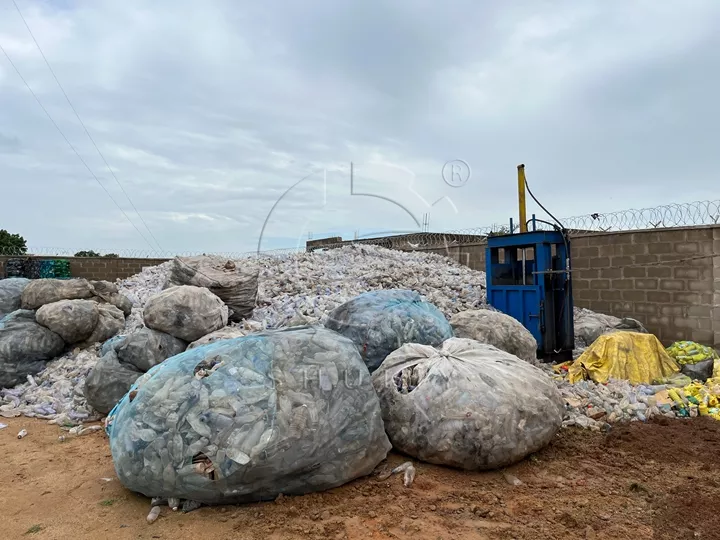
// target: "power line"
[[71, 146], [47, 63]]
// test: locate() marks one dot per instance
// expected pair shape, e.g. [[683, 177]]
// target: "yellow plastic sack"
[[638, 358], [690, 352]]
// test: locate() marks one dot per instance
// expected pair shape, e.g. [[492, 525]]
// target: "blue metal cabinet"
[[528, 278]]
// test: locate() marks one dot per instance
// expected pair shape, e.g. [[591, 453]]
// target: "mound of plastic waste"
[[590, 325], [186, 312], [290, 411], [497, 329], [466, 404], [379, 322]]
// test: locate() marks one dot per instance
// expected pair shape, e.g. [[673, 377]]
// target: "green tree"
[[90, 253], [12, 244], [112, 255], [500, 231]]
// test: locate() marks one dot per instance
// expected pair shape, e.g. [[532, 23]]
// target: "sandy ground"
[[658, 481]]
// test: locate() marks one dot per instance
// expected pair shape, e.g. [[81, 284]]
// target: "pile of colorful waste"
[[628, 376]]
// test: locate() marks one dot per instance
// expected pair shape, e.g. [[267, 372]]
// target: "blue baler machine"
[[528, 278]]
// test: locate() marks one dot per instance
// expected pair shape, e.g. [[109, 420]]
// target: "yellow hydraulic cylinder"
[[521, 198]]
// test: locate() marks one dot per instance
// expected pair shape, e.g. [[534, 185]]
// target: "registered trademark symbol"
[[456, 173]]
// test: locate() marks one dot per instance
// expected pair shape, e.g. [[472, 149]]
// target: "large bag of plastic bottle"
[[291, 411], [378, 322], [466, 404], [10, 294]]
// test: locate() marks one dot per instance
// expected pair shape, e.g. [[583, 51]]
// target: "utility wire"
[[71, 146], [47, 63]]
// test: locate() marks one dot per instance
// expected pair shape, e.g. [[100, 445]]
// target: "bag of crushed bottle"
[[291, 411], [466, 404], [378, 322]]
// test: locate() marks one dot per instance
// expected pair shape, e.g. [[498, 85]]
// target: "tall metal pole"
[[521, 198]]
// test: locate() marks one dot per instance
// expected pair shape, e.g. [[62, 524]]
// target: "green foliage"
[[500, 231], [108, 502], [12, 244], [34, 529], [115, 255], [90, 253]]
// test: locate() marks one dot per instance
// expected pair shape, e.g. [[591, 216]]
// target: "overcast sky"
[[208, 112]]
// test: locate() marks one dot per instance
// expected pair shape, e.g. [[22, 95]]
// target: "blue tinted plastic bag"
[[246, 419], [379, 322]]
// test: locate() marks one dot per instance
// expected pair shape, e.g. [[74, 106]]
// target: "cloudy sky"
[[208, 114]]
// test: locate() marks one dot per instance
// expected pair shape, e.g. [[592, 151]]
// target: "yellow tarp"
[[638, 358]]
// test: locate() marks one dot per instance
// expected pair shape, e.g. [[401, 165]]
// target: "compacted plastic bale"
[[46, 291], [378, 322], [10, 294], [237, 288], [466, 404], [25, 347], [291, 411], [497, 329], [186, 312], [72, 320]]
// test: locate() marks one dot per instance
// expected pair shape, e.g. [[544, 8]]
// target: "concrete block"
[[587, 294], [634, 249], [646, 284], [686, 298], [610, 295], [608, 251], [659, 271], [695, 235], [633, 295], [677, 311], [622, 261], [646, 259], [590, 251], [600, 306], [579, 241], [621, 309], [700, 286], [647, 309], [686, 247], [672, 285], [699, 311], [704, 337], [634, 272], [599, 262], [657, 248], [590, 273], [611, 273], [686, 272], [705, 324], [623, 284], [659, 296], [600, 284]]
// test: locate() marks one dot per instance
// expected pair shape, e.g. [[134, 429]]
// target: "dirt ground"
[[657, 480]]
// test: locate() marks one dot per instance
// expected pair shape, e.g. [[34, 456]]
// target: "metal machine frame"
[[529, 278]]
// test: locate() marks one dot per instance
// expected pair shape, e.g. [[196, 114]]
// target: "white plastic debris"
[[22, 433]]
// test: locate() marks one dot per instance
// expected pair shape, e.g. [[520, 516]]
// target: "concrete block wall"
[[667, 279], [107, 268]]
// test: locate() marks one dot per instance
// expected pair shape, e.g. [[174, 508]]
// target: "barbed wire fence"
[[696, 213]]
